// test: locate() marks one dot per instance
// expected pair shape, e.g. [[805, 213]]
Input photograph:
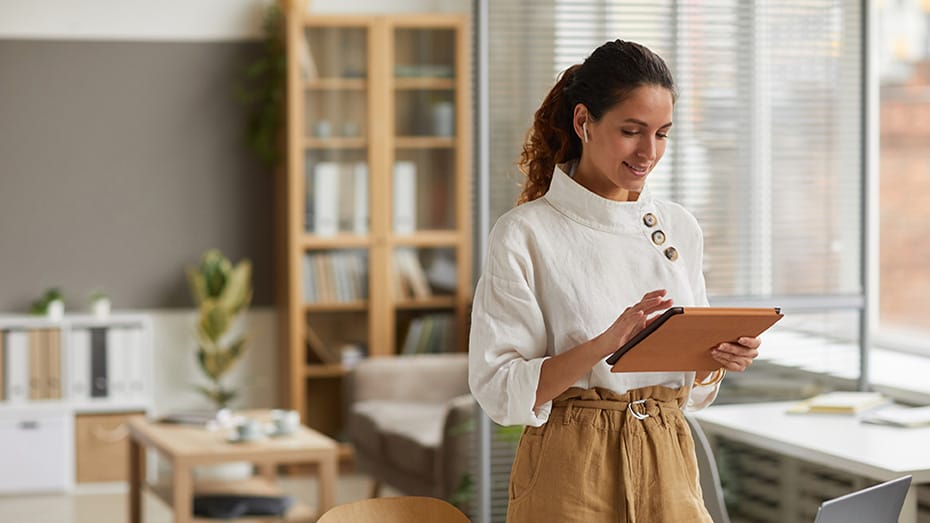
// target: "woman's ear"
[[580, 122]]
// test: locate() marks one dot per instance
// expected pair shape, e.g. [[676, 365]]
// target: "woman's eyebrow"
[[644, 124]]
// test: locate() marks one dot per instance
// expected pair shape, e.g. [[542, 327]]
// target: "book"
[[325, 198], [79, 364], [405, 197], [135, 361], [360, 206], [408, 264], [2, 369], [17, 366], [899, 416], [682, 338], [307, 63], [839, 402], [98, 362], [116, 364], [53, 359], [318, 347], [38, 365]]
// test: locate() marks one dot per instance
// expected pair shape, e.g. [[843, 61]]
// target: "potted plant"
[[100, 304], [51, 304], [222, 293]]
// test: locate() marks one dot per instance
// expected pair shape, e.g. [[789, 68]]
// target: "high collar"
[[587, 208]]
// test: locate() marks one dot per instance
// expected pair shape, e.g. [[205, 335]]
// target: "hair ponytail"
[[551, 140], [605, 79]]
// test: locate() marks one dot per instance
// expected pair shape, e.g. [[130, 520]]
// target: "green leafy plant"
[[222, 292], [97, 295], [40, 306], [263, 90]]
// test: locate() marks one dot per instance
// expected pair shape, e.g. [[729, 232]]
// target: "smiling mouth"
[[637, 170]]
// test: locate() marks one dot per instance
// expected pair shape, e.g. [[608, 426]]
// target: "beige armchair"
[[410, 421]]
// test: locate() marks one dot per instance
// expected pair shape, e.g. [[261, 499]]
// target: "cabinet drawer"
[[35, 453], [102, 447]]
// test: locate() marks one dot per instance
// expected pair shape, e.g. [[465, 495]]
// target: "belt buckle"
[[637, 415]]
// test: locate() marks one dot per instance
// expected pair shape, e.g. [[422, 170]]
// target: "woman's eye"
[[627, 132], [662, 135]]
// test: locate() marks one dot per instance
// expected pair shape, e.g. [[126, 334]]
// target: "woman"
[[573, 272]]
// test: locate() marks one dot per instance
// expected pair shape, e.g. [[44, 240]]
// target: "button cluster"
[[658, 237]]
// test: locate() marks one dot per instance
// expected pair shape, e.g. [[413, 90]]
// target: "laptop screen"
[[877, 504]]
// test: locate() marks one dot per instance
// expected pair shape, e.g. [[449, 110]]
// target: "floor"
[[108, 503]]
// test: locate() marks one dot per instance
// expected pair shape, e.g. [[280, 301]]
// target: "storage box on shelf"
[[66, 387], [376, 232]]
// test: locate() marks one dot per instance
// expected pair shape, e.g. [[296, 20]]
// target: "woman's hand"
[[632, 320], [737, 356]]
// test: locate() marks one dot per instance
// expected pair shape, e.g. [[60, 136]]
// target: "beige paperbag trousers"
[[608, 457]]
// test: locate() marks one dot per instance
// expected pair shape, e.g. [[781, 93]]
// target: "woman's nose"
[[647, 148]]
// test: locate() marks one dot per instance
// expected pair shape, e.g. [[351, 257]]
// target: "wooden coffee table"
[[186, 446]]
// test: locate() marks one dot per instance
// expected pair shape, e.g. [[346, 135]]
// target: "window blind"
[[766, 145]]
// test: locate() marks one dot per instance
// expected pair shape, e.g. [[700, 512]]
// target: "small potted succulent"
[[50, 304], [100, 304]]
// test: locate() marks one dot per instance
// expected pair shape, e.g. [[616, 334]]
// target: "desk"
[[186, 446], [841, 442]]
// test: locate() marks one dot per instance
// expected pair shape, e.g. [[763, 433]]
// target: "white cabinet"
[[36, 449], [51, 372]]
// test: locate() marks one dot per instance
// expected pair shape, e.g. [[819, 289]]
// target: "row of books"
[[335, 276], [98, 362], [430, 333], [337, 198], [30, 364]]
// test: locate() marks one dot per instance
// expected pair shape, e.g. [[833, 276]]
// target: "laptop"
[[877, 504]]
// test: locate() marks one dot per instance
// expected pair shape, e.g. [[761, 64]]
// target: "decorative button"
[[658, 237], [650, 220], [671, 253]]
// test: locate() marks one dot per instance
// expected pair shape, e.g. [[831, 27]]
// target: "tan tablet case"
[[683, 342]]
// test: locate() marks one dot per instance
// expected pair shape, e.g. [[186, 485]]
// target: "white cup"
[[249, 429], [285, 421]]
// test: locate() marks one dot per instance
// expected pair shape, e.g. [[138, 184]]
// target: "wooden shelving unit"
[[365, 94]]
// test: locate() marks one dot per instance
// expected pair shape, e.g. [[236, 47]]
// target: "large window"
[[904, 163], [767, 147]]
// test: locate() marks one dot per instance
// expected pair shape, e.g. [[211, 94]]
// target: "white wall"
[[180, 20]]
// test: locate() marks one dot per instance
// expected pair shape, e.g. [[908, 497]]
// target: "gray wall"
[[120, 163]]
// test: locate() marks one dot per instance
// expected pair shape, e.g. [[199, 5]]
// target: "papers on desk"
[[899, 416], [839, 402]]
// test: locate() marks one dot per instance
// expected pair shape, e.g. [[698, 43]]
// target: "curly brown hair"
[[605, 79]]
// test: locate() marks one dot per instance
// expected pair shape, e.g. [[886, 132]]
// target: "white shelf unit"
[[46, 372]]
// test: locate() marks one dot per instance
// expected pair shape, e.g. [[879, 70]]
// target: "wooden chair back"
[[401, 509]]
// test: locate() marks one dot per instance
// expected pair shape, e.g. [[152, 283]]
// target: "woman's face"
[[625, 144]]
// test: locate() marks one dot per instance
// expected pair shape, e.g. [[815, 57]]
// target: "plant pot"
[[101, 308], [55, 310]]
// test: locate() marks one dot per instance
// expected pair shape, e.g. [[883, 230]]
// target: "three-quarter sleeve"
[[507, 346]]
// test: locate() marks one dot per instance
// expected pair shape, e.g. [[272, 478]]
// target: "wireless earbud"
[[584, 128]]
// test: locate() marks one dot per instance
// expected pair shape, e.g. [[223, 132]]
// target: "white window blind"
[[766, 149]]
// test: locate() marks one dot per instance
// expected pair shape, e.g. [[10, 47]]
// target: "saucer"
[[275, 433], [234, 437]]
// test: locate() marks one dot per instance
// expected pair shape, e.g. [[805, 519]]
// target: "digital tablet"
[[681, 338]]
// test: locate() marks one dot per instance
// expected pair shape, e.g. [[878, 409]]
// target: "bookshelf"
[[376, 230], [67, 387]]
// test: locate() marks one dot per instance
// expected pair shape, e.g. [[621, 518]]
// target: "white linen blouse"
[[559, 271]]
